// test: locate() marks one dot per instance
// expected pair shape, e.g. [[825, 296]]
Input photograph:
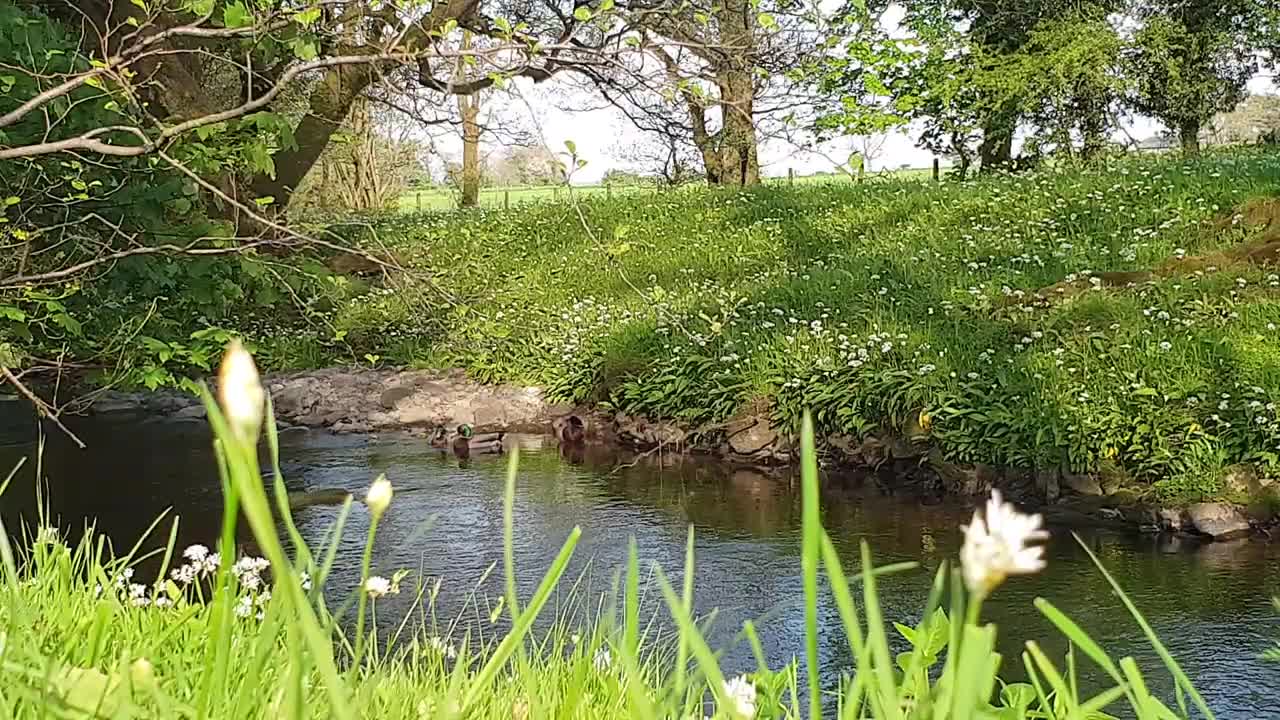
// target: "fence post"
[[417, 198], [608, 191], [937, 170], [791, 176], [506, 199], [555, 193]]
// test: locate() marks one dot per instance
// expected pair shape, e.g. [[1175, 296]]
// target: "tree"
[[669, 158], [1251, 121], [1191, 60], [715, 76]]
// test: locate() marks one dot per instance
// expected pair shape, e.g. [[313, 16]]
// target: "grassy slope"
[[871, 302]]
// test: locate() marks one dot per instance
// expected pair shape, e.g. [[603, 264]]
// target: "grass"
[[437, 198], [875, 305], [85, 635]]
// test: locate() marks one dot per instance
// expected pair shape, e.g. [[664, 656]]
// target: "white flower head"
[[740, 696], [195, 553], [240, 393], [999, 546], [377, 586]]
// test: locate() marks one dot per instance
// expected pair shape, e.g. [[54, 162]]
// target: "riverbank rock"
[[1218, 520], [1086, 485], [751, 436]]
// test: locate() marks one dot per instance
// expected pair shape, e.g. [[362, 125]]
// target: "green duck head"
[[466, 431]]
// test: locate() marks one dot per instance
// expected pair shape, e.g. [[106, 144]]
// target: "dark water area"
[[1209, 603]]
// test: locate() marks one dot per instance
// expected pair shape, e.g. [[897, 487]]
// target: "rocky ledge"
[[904, 459]]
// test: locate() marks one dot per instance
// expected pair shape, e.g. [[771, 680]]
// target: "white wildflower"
[[377, 586], [740, 696], [244, 608], [195, 553], [999, 546]]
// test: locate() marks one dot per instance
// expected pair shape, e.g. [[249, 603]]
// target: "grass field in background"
[[441, 198]]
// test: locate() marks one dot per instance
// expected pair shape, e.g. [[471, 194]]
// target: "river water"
[[1210, 603]]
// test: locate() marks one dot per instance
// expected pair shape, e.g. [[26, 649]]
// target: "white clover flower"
[[377, 586], [740, 696], [999, 546]]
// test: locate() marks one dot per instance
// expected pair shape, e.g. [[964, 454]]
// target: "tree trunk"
[[469, 110], [739, 162], [738, 150], [330, 104], [996, 150], [1189, 136]]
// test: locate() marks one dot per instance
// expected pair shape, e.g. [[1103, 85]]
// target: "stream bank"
[[904, 460]]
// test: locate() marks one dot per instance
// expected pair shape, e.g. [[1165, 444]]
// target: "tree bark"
[[1189, 136], [739, 153], [469, 107], [996, 150], [469, 110]]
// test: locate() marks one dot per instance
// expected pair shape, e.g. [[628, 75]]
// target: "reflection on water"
[[1209, 603]]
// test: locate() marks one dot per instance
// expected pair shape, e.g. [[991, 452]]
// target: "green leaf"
[[236, 15], [606, 6], [573, 147], [307, 17], [304, 48], [12, 200], [766, 21], [582, 14]]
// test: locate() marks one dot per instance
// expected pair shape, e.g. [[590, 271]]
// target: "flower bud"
[[240, 393], [379, 496], [142, 675]]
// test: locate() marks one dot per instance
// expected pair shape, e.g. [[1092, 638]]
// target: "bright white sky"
[[599, 133]]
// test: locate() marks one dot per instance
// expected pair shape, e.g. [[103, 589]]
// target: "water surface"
[[1211, 604]]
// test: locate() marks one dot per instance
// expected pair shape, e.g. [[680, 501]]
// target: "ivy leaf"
[[236, 15], [200, 7], [582, 14]]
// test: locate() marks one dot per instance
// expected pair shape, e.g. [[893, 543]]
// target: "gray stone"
[[751, 435], [1218, 520], [1173, 519], [190, 412], [1047, 484], [392, 396], [294, 400], [1082, 484]]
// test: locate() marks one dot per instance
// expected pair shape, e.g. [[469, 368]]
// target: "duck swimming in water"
[[467, 442], [440, 439], [570, 430]]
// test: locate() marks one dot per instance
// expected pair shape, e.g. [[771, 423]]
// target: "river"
[[1210, 603]]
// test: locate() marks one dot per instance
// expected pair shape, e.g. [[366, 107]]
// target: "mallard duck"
[[467, 441], [440, 439], [570, 430]]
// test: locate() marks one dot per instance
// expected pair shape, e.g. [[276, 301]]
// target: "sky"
[[598, 134]]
